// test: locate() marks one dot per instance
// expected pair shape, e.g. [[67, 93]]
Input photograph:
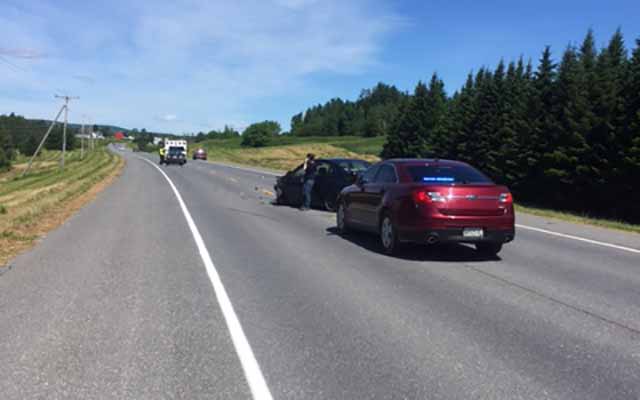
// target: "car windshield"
[[353, 167], [175, 150], [447, 174]]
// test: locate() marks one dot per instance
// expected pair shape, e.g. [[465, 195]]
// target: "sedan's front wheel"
[[329, 205], [341, 221], [388, 235]]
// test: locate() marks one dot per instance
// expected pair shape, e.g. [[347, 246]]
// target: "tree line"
[[227, 133], [565, 134], [371, 115], [19, 135]]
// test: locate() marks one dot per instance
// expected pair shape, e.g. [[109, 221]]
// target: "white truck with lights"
[[175, 151], [176, 143]]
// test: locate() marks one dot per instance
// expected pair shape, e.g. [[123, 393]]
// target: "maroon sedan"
[[428, 201], [200, 154]]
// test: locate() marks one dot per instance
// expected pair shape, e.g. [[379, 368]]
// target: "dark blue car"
[[331, 175]]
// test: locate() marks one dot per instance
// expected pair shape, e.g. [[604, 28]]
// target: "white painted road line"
[[257, 383], [581, 239]]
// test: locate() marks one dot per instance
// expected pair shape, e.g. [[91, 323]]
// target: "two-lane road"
[[119, 303]]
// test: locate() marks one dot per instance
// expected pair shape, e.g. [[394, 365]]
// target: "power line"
[[18, 68], [15, 67]]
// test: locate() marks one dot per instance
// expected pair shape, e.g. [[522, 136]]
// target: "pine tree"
[[435, 125], [487, 124], [542, 126], [608, 116], [407, 136], [6, 148], [562, 160], [463, 119], [631, 140]]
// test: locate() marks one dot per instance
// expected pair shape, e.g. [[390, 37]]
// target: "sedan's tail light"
[[506, 198], [423, 197]]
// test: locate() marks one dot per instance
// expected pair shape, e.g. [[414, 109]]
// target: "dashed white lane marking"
[[558, 234], [581, 239], [257, 383]]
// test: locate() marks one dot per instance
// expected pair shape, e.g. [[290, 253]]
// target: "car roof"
[[341, 160], [414, 161]]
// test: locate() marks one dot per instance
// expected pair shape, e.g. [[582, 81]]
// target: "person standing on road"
[[309, 180], [161, 151]]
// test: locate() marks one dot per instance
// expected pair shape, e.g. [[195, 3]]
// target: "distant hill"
[[105, 129]]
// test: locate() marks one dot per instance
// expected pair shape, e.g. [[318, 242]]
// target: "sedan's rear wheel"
[[388, 235], [341, 221], [489, 249]]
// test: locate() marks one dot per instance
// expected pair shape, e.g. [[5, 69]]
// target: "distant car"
[[200, 154], [331, 176], [175, 155], [428, 201]]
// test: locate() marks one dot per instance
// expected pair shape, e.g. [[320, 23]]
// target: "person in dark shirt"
[[309, 180]]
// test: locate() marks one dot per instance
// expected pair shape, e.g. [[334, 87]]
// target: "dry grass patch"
[[286, 157], [43, 201]]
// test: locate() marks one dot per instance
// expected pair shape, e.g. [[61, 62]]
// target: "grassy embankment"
[[287, 152], [45, 198]]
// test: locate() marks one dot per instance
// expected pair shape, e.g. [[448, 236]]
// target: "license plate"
[[474, 233]]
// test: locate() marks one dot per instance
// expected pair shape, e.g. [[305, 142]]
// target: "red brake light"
[[422, 197], [506, 198]]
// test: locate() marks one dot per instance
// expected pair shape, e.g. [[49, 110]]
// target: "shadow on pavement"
[[416, 252], [314, 208]]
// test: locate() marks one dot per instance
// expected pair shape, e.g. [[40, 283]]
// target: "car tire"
[[341, 219], [388, 235], [329, 205], [280, 197], [489, 249]]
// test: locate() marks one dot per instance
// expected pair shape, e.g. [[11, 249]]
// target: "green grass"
[[45, 197], [285, 152], [355, 144], [579, 219]]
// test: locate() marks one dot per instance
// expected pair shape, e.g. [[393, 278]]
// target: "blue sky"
[[189, 66]]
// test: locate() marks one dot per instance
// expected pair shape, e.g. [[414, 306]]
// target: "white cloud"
[[22, 53], [204, 60], [168, 118]]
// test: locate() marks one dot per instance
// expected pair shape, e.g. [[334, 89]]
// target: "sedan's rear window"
[[444, 174]]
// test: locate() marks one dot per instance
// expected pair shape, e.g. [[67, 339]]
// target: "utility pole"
[[44, 138], [64, 129], [82, 141]]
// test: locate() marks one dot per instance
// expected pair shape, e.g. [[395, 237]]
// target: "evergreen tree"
[[542, 128], [463, 118], [487, 124], [563, 159], [6, 149], [407, 137], [435, 125], [630, 140], [608, 110]]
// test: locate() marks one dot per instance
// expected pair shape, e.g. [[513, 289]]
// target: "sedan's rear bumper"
[[455, 235]]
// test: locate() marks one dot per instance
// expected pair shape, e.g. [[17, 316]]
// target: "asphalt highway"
[[192, 285]]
